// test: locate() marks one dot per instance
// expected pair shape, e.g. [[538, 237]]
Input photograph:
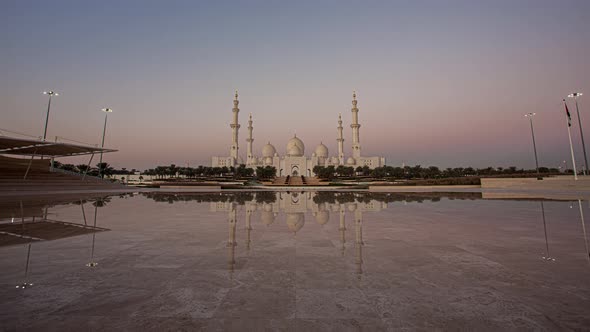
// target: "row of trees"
[[172, 170], [419, 172], [323, 172], [101, 168]]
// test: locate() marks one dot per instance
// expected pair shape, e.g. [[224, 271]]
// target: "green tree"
[[104, 169], [359, 170], [69, 167], [267, 172], [83, 168]]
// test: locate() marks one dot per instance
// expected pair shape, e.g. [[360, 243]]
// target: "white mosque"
[[295, 163]]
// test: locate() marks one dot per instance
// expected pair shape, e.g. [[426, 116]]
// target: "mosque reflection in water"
[[295, 206], [322, 206], [26, 223]]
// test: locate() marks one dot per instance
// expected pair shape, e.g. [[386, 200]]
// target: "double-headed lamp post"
[[104, 130], [575, 95], [530, 116], [50, 94]]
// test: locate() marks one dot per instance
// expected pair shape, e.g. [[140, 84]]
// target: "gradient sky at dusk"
[[439, 82]]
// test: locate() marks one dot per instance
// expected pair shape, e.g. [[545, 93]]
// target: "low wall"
[[191, 188], [418, 188], [565, 182]]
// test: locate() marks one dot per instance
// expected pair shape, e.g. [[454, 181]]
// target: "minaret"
[[235, 126], [249, 140], [340, 141], [356, 143]]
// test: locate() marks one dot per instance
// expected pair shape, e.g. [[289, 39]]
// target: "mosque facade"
[[295, 162]]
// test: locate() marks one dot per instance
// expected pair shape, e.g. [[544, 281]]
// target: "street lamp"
[[50, 94], [575, 95], [530, 116], [104, 130]]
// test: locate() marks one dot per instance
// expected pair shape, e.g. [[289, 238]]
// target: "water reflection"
[[295, 205], [546, 257], [290, 210], [330, 197], [584, 229], [36, 225]]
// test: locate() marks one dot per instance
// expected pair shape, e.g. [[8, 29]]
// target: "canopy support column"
[[88, 166], [29, 167]]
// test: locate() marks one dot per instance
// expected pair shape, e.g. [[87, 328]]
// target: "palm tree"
[[104, 169]]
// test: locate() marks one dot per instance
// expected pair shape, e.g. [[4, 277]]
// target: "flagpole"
[[569, 134], [575, 95]]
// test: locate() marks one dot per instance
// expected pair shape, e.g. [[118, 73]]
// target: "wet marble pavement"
[[297, 261]]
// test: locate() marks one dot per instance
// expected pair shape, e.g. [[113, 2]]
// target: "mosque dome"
[[322, 217], [268, 150], [267, 217], [295, 147], [350, 161], [295, 221], [321, 150], [294, 151], [335, 160]]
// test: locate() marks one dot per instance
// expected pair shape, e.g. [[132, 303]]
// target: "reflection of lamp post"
[[546, 257], [92, 263], [575, 95], [584, 229], [104, 130], [530, 116], [50, 94], [26, 284]]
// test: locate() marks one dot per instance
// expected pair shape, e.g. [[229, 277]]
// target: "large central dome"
[[295, 147]]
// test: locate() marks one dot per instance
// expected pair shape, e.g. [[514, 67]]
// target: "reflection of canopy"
[[31, 147], [15, 233], [24, 220]]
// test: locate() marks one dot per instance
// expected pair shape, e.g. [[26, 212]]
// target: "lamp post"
[[104, 130], [50, 94], [530, 116], [575, 95]]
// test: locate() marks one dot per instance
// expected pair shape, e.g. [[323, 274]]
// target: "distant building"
[[295, 163]]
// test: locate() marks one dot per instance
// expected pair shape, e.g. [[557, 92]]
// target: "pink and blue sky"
[[439, 82]]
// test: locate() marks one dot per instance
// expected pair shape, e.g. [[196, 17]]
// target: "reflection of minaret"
[[546, 257], [248, 226], [249, 140], [342, 228], [231, 244], [340, 141], [358, 241], [584, 229], [235, 126], [356, 143]]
